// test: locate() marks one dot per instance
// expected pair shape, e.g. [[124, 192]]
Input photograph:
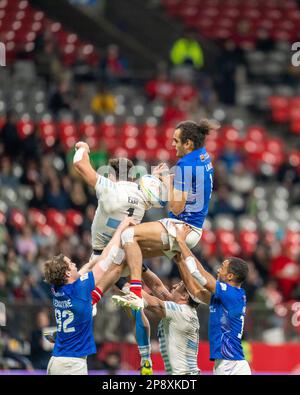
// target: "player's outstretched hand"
[[82, 144], [127, 221], [159, 170], [182, 232]]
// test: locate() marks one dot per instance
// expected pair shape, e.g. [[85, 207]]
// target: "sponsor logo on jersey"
[[133, 200], [203, 157], [84, 277]]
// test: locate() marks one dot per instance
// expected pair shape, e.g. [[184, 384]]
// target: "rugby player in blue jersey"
[[227, 305], [190, 190], [72, 301]]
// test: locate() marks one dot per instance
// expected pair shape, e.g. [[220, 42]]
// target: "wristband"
[[119, 256], [79, 154], [199, 278], [191, 264]]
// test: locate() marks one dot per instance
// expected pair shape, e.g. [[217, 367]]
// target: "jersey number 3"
[[63, 320]]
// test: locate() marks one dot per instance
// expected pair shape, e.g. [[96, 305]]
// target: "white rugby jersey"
[[178, 335], [115, 201]]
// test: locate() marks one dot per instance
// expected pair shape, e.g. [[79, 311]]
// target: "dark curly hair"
[[55, 270], [196, 132], [239, 268], [121, 167]]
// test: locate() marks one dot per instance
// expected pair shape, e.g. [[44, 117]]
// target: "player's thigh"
[[151, 235]]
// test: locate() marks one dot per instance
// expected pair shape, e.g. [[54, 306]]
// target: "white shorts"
[[65, 366], [192, 238], [224, 367]]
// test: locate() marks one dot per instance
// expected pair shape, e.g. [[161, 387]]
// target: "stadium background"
[[104, 72]]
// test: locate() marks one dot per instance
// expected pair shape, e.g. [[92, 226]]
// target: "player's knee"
[[127, 236]]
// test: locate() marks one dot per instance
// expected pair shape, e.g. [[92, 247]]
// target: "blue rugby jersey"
[[226, 322], [73, 314], [194, 174]]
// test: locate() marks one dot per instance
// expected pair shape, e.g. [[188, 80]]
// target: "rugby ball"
[[154, 190]]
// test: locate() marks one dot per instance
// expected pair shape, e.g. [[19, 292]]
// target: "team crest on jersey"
[[223, 286], [84, 277]]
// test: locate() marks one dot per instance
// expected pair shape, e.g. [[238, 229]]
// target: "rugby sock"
[[96, 295], [142, 337], [136, 287]]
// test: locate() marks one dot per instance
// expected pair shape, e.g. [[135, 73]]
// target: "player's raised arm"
[[154, 304], [156, 285], [82, 164], [204, 278], [112, 253], [190, 282]]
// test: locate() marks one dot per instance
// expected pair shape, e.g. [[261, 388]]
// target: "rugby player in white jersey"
[[117, 199], [178, 330]]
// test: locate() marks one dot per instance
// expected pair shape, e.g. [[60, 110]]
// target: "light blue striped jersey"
[[178, 335], [115, 201]]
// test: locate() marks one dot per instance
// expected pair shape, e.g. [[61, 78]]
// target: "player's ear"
[[189, 144], [68, 274], [230, 276]]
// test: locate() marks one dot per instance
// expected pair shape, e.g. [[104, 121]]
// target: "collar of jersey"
[[195, 153]]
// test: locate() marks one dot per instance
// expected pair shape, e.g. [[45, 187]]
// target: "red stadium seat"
[[294, 159], [295, 120], [17, 219], [280, 108], [74, 218], [68, 134], [129, 129], [2, 122], [248, 241], [148, 130], [45, 230], [48, 132], [37, 217], [25, 128], [57, 220], [90, 134], [108, 129], [131, 144], [256, 133], [209, 239]]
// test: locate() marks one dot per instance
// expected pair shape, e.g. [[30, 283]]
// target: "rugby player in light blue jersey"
[[72, 302], [190, 190], [227, 305]]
